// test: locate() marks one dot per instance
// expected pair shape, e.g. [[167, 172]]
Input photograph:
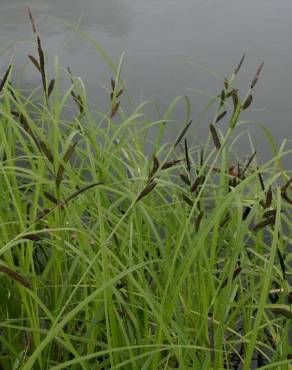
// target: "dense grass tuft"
[[113, 257]]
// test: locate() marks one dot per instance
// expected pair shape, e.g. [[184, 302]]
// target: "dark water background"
[[158, 38]]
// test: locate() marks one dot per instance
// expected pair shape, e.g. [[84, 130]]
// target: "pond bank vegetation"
[[117, 257]]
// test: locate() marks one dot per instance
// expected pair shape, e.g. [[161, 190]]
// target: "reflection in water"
[[112, 16], [157, 37]]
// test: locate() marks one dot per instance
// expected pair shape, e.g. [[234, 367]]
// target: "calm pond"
[[160, 38]]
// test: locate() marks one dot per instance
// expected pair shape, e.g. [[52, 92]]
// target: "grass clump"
[[113, 257]]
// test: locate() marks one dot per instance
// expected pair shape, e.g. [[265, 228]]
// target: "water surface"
[[158, 37]]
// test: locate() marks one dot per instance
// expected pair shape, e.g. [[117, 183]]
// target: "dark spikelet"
[[182, 134], [119, 93], [268, 221], [35, 62], [78, 100], [196, 184], [228, 94], [46, 151], [28, 208], [51, 197], [146, 191], [173, 362], [16, 276], [188, 200], [42, 64], [4, 158], [261, 181], [247, 102], [248, 163], [185, 179], [203, 178], [74, 96], [69, 152], [236, 272], [27, 128], [113, 84], [284, 190], [282, 312], [285, 196], [221, 115], [32, 237], [226, 84], [114, 109], [70, 74], [187, 156], [233, 182], [155, 163], [155, 167], [235, 171], [235, 98], [254, 82], [80, 191], [66, 158], [202, 157], [270, 213], [231, 92], [31, 20], [289, 297], [282, 263], [198, 221], [10, 89], [46, 211], [43, 213], [256, 77], [239, 65], [215, 137], [170, 164], [222, 97], [199, 206], [51, 87], [246, 212], [4, 79], [269, 197], [41, 55]]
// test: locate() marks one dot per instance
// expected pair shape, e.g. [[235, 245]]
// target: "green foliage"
[[115, 258]]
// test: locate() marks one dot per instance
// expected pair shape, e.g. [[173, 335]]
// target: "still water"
[[160, 38]]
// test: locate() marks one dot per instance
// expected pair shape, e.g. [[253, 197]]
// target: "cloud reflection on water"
[[112, 16]]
